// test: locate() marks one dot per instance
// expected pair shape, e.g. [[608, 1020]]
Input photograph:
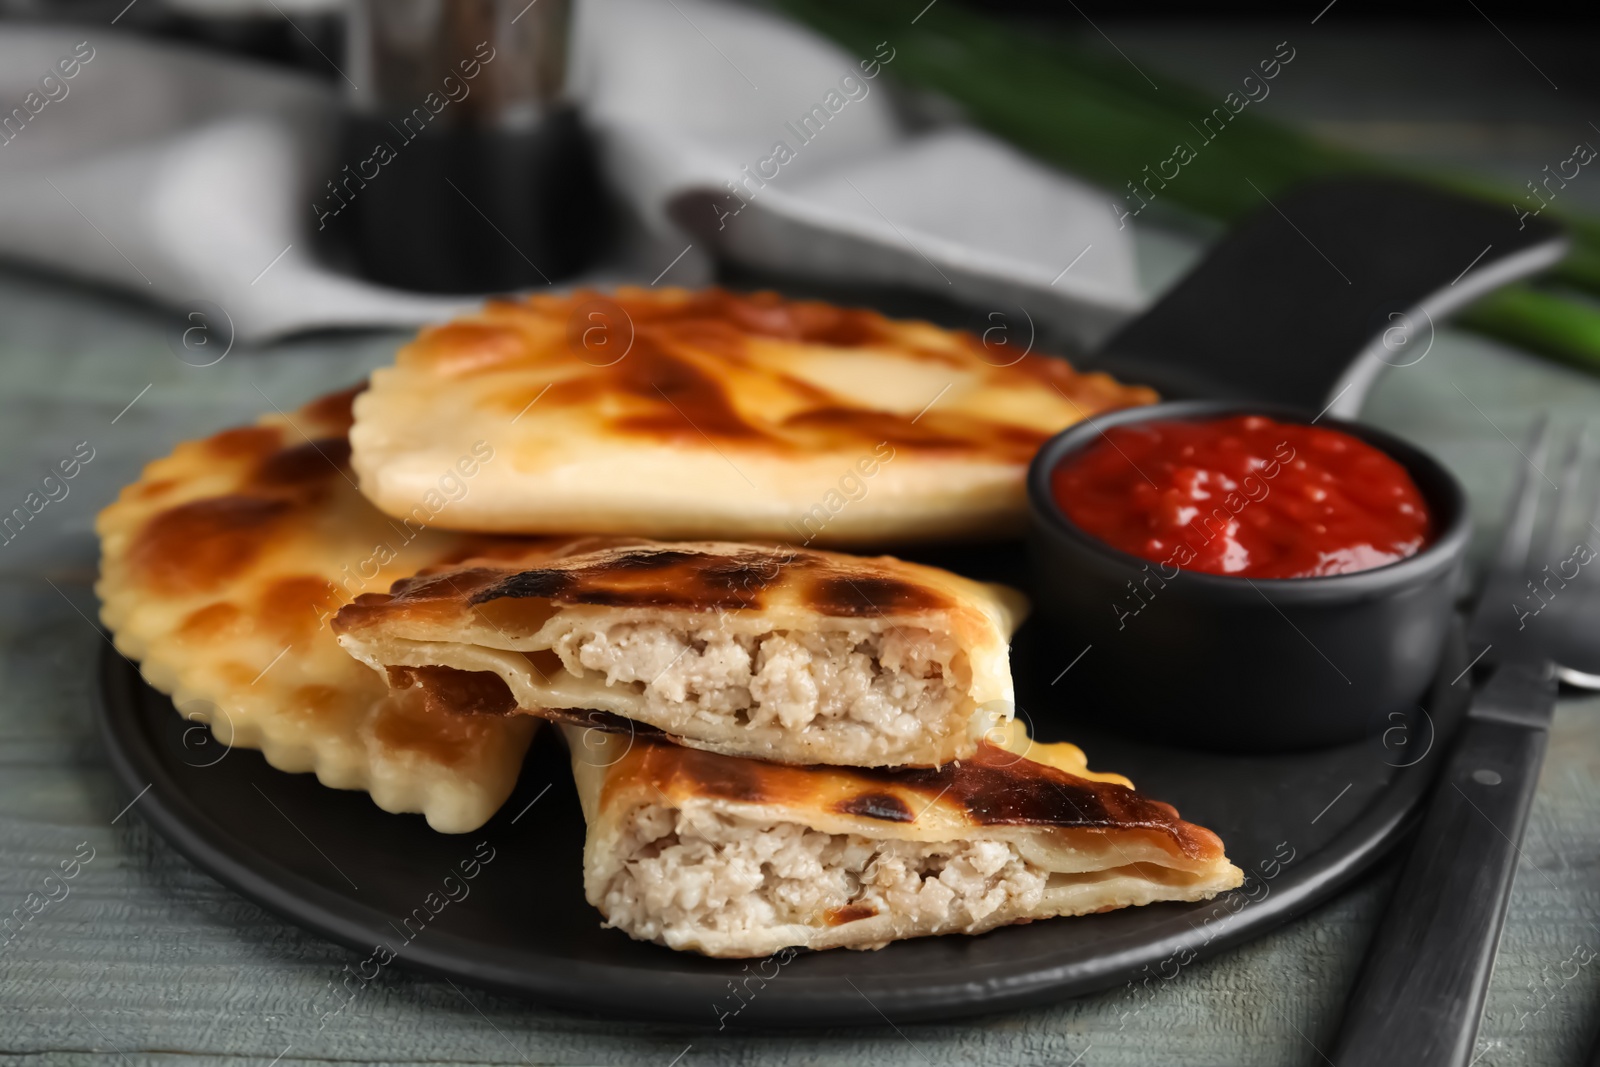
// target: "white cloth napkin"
[[190, 177]]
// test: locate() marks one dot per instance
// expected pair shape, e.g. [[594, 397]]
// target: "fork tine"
[[1507, 571], [1568, 488], [1517, 537], [1573, 627]]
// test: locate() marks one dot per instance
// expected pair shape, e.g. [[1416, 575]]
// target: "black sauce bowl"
[[1223, 662]]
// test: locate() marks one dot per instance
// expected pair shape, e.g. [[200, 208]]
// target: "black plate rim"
[[632, 994]]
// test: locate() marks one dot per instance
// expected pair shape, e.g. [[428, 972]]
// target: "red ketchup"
[[1244, 495]]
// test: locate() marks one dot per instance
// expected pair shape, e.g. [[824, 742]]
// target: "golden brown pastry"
[[220, 568], [676, 414], [771, 651], [734, 857]]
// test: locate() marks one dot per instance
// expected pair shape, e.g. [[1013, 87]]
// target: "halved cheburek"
[[735, 857], [677, 414], [219, 570], [776, 652]]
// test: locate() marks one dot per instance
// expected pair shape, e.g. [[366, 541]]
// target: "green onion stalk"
[[1098, 116]]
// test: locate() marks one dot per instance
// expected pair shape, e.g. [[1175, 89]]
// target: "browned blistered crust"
[[646, 575], [203, 543], [995, 788], [671, 386], [506, 618]]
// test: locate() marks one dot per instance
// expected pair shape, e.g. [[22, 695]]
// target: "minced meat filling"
[[894, 682], [694, 872]]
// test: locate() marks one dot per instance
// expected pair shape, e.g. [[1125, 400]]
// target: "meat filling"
[[897, 683], [694, 872]]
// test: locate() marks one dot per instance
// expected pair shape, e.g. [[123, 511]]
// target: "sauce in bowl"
[[1244, 495]]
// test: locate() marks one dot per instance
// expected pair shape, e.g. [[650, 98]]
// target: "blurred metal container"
[[464, 168], [402, 50]]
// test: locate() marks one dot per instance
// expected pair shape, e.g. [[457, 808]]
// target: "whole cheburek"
[[676, 414], [220, 568]]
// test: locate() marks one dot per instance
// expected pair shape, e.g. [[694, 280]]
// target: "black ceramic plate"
[[1301, 825]]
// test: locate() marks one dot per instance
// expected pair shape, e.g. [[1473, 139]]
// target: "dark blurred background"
[[303, 33]]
